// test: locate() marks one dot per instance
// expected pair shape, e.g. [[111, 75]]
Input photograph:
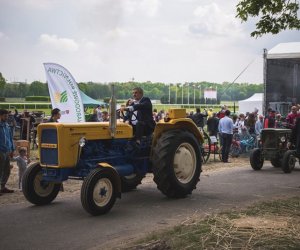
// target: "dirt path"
[[72, 187]]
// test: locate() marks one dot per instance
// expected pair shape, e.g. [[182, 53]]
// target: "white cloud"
[[116, 33], [40, 4], [170, 41], [210, 19], [56, 43], [3, 36], [146, 7]]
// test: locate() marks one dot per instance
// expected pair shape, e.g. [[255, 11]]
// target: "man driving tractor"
[[140, 114]]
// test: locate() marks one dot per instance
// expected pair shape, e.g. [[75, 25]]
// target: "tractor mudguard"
[[176, 120], [116, 176]]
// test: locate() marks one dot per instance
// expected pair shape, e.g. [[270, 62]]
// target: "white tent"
[[285, 50], [248, 105]]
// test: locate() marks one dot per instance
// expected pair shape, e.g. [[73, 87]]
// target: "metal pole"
[[188, 94], [265, 81], [176, 94], [182, 94], [194, 94], [169, 92]]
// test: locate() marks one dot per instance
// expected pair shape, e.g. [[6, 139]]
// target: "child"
[[22, 162]]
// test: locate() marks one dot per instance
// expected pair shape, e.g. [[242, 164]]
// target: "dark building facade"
[[282, 77]]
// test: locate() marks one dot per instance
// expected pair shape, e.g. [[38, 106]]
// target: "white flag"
[[64, 93]]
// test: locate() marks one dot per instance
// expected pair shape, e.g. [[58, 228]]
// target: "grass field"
[[266, 225]]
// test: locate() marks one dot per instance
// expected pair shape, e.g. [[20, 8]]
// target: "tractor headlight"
[[82, 142], [282, 139], [37, 140]]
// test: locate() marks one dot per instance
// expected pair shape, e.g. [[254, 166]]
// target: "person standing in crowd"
[[22, 162], [27, 121], [93, 117], [212, 125], [198, 118], [235, 121], [105, 116], [210, 112], [226, 132], [241, 122], [292, 116], [269, 121], [250, 123], [160, 115], [144, 123], [6, 151], [99, 113], [221, 113], [295, 136], [55, 115], [11, 122], [259, 125]]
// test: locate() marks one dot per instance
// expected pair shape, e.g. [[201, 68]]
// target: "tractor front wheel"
[[176, 163], [289, 161], [256, 159], [35, 189], [98, 192]]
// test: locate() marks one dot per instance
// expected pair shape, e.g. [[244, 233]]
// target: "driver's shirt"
[[134, 115]]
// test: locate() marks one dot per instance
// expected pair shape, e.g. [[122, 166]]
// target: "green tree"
[[2, 83], [38, 89], [274, 15]]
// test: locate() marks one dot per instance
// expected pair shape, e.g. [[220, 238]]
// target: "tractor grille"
[[49, 154]]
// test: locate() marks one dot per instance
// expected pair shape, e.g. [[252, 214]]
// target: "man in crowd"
[[292, 116], [259, 125], [221, 113], [55, 115], [27, 121], [105, 116], [99, 113], [142, 107], [6, 151], [198, 118], [226, 132], [269, 121], [295, 136], [212, 125]]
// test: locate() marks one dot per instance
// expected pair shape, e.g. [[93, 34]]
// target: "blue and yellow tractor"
[[103, 155]]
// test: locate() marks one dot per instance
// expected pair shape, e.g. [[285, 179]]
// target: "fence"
[[43, 105]]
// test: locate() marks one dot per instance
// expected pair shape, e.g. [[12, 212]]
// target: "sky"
[[170, 41]]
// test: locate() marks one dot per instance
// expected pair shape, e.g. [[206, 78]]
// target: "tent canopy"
[[285, 50], [90, 102], [248, 105]]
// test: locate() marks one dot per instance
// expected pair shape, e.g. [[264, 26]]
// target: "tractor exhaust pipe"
[[112, 112]]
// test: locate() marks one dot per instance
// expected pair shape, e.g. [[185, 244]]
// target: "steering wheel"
[[132, 116]]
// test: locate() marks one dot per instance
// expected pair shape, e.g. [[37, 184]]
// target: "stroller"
[[248, 141]]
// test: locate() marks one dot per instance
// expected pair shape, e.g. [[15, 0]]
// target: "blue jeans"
[[4, 168]]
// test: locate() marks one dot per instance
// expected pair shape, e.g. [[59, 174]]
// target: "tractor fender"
[[180, 123], [107, 167]]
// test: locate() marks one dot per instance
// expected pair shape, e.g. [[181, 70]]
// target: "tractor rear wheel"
[[289, 161], [256, 159], [98, 192], [176, 163], [36, 190], [130, 182], [276, 162]]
